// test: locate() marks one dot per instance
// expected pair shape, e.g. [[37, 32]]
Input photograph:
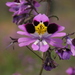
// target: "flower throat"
[[40, 28]]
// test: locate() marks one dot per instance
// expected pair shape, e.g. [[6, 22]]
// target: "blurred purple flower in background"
[[22, 9], [71, 71], [28, 60], [16, 74], [41, 33], [21, 6]]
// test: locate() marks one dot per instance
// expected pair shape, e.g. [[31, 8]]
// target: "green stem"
[[34, 53], [41, 70]]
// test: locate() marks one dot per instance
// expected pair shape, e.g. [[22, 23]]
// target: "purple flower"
[[70, 71], [41, 33], [49, 64], [21, 6], [21, 9], [64, 53], [19, 19], [71, 42]]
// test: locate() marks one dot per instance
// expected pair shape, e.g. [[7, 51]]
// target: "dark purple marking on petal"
[[30, 28], [17, 1], [60, 51], [34, 2], [73, 42], [46, 23], [35, 22], [52, 28]]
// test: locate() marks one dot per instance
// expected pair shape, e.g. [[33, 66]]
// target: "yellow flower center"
[[40, 28]]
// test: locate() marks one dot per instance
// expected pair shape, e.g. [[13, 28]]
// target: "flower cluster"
[[40, 34], [22, 9], [68, 50]]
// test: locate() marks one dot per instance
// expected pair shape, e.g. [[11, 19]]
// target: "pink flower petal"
[[26, 43], [58, 34], [40, 47], [23, 33], [55, 42], [44, 18], [44, 48], [22, 27], [69, 70], [23, 39], [35, 47], [69, 41], [12, 10], [9, 4], [61, 28], [41, 17]]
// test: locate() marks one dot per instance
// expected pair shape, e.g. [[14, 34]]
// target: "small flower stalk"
[[40, 34]]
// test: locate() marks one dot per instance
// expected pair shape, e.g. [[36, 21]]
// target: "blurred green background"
[[21, 60]]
